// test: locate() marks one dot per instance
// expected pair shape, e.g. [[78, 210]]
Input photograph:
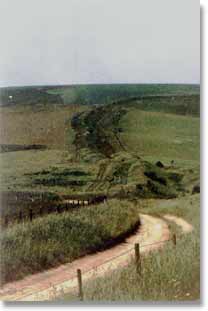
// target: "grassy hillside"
[[35, 96], [164, 135], [188, 104], [102, 94], [89, 94], [79, 137], [55, 239], [49, 126], [171, 274], [95, 140]]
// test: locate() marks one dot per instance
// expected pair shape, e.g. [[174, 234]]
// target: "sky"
[[99, 41]]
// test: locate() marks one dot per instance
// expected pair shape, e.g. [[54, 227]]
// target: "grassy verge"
[[168, 274], [46, 242]]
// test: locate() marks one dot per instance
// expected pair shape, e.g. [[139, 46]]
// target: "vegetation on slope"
[[115, 143], [98, 130], [28, 96], [161, 135], [47, 125], [109, 93], [54, 239], [179, 104], [90, 94]]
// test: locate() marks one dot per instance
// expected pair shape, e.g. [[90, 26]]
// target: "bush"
[[196, 189], [160, 190]]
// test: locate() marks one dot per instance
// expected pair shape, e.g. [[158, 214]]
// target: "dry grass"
[[50, 127]]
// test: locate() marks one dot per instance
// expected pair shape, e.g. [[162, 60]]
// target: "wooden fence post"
[[20, 216], [6, 221], [174, 239], [31, 214], [137, 258], [79, 277]]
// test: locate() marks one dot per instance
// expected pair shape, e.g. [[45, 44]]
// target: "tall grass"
[[172, 273], [54, 239]]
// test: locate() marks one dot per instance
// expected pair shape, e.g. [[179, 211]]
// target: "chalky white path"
[[185, 226]]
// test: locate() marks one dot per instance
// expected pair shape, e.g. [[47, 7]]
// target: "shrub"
[[160, 190], [196, 189]]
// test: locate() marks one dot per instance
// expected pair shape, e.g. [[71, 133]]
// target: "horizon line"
[[89, 83]]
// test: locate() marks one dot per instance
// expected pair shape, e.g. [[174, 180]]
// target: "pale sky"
[[99, 41]]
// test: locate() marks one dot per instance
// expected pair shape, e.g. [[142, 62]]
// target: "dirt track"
[[185, 226], [49, 284]]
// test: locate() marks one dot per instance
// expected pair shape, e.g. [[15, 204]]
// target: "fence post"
[[20, 216], [31, 214], [137, 258], [174, 239], [79, 277], [6, 221]]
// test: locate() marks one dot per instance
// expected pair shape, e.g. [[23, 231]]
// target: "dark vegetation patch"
[[156, 177], [13, 147], [159, 164], [58, 181], [59, 173], [161, 183], [98, 130], [61, 177], [161, 175], [160, 190], [153, 189], [12, 202], [196, 189], [19, 207]]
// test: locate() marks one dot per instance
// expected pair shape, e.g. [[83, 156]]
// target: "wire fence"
[[137, 258], [67, 205]]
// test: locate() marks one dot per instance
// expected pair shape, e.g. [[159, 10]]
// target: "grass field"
[[49, 126], [115, 147], [164, 135]]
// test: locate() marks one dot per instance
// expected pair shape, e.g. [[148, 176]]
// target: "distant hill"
[[90, 94], [27, 96]]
